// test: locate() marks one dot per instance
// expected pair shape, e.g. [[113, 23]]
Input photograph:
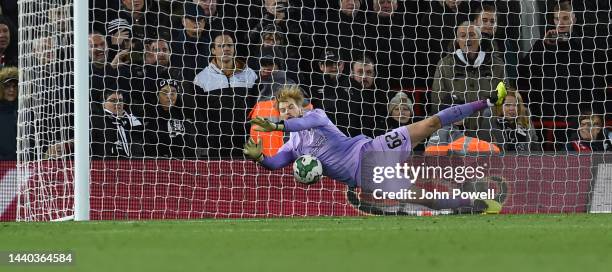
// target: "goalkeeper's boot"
[[499, 95], [487, 206]]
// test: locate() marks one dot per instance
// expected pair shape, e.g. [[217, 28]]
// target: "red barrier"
[[238, 189]]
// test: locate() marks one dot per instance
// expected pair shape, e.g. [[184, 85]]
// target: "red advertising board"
[[161, 189]]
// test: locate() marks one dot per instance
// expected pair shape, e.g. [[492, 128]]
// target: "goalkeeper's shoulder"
[[319, 112], [316, 113], [317, 116]]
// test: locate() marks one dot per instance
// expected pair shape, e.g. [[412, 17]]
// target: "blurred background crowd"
[[180, 78]]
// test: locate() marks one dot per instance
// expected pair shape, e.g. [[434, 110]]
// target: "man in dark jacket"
[[191, 44], [564, 70], [270, 78], [436, 32], [330, 85], [391, 31], [101, 74], [340, 27], [364, 106]]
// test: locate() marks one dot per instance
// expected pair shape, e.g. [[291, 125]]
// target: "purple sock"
[[460, 112], [452, 203]]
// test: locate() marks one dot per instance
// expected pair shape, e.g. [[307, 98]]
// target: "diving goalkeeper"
[[313, 133]]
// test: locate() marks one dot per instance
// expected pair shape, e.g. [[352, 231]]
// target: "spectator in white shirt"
[[225, 70]]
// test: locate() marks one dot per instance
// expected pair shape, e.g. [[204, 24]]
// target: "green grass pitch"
[[581, 242]]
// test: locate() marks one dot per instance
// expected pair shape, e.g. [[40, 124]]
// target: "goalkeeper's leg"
[[421, 130]]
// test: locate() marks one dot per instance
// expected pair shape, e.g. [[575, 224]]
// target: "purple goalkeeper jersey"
[[316, 135]]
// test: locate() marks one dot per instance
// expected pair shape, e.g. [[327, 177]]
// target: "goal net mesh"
[[174, 83]]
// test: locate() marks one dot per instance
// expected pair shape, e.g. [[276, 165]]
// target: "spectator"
[[143, 19], [209, 7], [46, 52], [509, 127], [97, 50], [270, 79], [504, 43], [141, 79], [400, 113], [561, 66], [282, 15], [8, 43], [364, 78], [116, 133], [60, 16], [220, 16], [224, 96], [191, 43], [363, 75], [119, 33], [268, 40], [486, 20], [591, 135], [340, 26], [365, 105], [169, 133], [283, 19], [399, 110], [326, 86], [138, 72], [157, 53], [100, 71], [9, 77], [467, 75], [437, 31], [390, 29], [225, 70]]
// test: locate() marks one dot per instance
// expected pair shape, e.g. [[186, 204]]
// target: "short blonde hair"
[[290, 92]]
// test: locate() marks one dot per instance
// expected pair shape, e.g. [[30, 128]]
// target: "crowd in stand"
[[181, 79]]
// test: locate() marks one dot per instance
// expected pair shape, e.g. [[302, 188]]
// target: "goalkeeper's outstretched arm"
[[280, 160], [284, 157], [313, 119]]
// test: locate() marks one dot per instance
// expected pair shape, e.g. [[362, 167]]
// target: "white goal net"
[[174, 83]]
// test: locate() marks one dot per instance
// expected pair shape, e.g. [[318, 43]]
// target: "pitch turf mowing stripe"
[[449, 243]]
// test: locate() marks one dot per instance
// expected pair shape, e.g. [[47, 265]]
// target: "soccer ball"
[[307, 169]]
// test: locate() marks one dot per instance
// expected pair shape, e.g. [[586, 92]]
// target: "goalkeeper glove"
[[499, 95], [264, 125], [253, 150]]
